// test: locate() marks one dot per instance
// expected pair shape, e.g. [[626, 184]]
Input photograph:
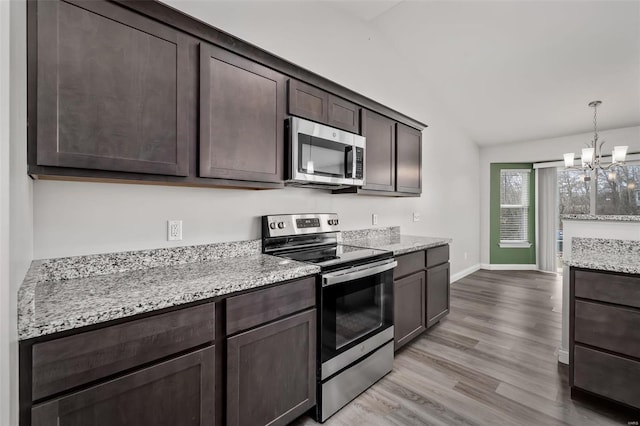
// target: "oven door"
[[322, 154], [356, 309]]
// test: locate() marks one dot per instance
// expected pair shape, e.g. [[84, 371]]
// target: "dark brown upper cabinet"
[[380, 152], [408, 159], [110, 90], [343, 114], [307, 101], [317, 105], [242, 107]]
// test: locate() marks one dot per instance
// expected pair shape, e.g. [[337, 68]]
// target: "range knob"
[[281, 225], [336, 222], [272, 225], [330, 221]]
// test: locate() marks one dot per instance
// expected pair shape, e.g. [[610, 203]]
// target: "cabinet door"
[[380, 153], [308, 102], [176, 392], [111, 90], [409, 159], [241, 118], [437, 293], [344, 114], [408, 308], [271, 372]]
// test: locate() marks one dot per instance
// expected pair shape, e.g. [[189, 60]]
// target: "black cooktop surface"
[[337, 255]]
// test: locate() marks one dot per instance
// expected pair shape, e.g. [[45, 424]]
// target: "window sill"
[[514, 244]]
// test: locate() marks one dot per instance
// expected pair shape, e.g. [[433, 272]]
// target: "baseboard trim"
[[509, 267], [563, 356], [468, 271]]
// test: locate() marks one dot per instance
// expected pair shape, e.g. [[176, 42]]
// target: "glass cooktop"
[[336, 255]]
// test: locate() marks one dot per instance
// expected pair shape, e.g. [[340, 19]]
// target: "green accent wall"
[[518, 256]]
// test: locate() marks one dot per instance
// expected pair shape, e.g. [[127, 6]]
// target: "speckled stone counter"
[[605, 254], [67, 293], [391, 239], [602, 217]]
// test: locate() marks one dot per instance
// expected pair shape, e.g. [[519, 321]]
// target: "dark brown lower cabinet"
[[420, 292], [271, 371], [604, 348], [437, 293], [178, 392], [409, 308]]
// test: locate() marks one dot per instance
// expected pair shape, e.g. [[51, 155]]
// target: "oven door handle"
[[356, 273]]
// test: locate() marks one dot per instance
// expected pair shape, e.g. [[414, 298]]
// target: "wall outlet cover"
[[416, 217], [174, 230]]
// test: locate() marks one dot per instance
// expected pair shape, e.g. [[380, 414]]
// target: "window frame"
[[526, 243]]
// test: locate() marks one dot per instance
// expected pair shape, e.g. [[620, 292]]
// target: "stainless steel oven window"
[[358, 314]]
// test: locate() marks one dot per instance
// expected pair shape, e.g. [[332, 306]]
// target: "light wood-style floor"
[[492, 361]]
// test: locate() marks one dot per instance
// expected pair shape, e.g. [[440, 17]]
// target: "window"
[[608, 193], [616, 192], [514, 207]]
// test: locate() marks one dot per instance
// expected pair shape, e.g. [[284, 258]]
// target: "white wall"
[[5, 284], [539, 151], [72, 218], [16, 197]]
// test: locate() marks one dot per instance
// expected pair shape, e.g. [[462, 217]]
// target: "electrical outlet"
[[174, 230], [374, 219], [416, 217]]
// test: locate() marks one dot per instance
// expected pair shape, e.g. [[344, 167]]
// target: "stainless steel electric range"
[[355, 304]]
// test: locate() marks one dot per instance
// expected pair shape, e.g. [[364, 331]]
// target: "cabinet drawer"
[[408, 264], [608, 327], [437, 255], [68, 362], [607, 375], [620, 289], [258, 307]]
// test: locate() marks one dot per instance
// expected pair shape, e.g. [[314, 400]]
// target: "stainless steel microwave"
[[320, 155]]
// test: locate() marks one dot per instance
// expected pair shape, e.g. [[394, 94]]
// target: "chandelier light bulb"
[[631, 185], [569, 159], [619, 153], [587, 156]]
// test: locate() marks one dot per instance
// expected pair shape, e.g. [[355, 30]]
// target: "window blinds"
[[514, 205]]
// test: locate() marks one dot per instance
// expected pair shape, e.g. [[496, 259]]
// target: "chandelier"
[[592, 154]]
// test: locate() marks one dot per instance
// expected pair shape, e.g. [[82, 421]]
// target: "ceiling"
[[509, 71]]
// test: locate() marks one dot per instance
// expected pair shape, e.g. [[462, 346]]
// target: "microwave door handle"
[[338, 277], [349, 162]]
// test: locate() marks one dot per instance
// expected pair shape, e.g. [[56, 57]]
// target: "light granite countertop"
[[602, 217], [68, 293], [391, 239], [605, 254]]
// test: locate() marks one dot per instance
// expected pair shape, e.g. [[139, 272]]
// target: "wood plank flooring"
[[492, 361]]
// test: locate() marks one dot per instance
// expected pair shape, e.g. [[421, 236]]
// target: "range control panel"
[[299, 224]]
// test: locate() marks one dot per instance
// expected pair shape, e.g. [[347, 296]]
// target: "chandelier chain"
[[595, 120]]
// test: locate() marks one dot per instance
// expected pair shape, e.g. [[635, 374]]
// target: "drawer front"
[[409, 264], [258, 307], [437, 255], [620, 289], [608, 327], [72, 361], [611, 376]]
